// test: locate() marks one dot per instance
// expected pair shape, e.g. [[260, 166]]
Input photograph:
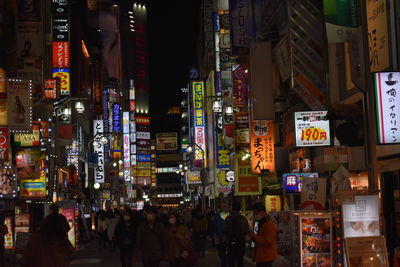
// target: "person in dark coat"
[[125, 237], [151, 239]]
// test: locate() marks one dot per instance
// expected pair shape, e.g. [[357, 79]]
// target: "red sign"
[[240, 85], [60, 54], [132, 105], [143, 120], [50, 89], [4, 141]]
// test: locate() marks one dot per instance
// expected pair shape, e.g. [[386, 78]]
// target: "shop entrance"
[[391, 209]]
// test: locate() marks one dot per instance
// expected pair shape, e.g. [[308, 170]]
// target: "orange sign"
[[50, 89], [60, 54], [64, 76], [262, 146]]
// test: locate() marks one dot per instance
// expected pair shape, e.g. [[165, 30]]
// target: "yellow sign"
[[193, 177], [273, 203], [63, 75]]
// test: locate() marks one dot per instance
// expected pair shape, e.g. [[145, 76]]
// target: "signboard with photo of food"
[[316, 241]]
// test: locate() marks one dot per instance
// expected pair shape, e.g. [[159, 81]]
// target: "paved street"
[[90, 256]]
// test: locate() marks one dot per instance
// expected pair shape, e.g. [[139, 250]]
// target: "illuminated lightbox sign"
[[125, 122], [64, 79], [387, 90], [143, 158], [199, 119], [292, 182], [116, 118], [312, 128], [60, 28], [98, 129], [143, 135]]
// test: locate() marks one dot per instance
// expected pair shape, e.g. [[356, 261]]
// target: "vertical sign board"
[[4, 144], [245, 182], [387, 90], [127, 144], [61, 54], [312, 128], [116, 119], [262, 146], [63, 75], [307, 31], [19, 104], [378, 36], [199, 120], [99, 150], [241, 25]]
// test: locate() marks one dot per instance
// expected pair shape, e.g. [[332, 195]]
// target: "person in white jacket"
[[112, 220]]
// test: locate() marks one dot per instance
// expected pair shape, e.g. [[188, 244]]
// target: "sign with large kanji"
[[262, 146]]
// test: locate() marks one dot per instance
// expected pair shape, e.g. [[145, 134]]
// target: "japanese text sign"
[[240, 85], [312, 128], [61, 55], [222, 155], [50, 89], [387, 85], [292, 182], [193, 177], [28, 139], [99, 150], [262, 146], [246, 183], [127, 157], [64, 78], [199, 119], [116, 117]]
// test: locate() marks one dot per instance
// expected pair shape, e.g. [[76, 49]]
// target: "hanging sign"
[[199, 120], [262, 146], [116, 117], [99, 150], [61, 55], [312, 128], [50, 89], [387, 90], [64, 79], [246, 183], [240, 85], [193, 177]]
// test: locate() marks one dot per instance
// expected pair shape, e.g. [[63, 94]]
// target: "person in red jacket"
[[265, 239]]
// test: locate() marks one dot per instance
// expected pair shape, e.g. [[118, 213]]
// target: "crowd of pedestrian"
[[177, 236]]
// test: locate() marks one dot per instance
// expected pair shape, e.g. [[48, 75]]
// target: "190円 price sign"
[[312, 128]]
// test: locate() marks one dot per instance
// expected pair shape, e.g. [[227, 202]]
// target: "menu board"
[[366, 252], [361, 218], [316, 241]]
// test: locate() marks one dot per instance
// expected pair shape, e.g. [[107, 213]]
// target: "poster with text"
[[19, 104], [262, 146], [246, 183], [312, 128]]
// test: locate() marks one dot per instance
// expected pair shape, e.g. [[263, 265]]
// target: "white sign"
[[361, 218], [125, 122], [312, 128], [98, 128], [387, 90], [127, 157], [230, 176], [143, 135]]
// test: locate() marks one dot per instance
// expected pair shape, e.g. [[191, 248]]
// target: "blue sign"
[[143, 158], [292, 181], [116, 118]]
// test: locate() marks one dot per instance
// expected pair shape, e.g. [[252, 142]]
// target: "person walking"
[[102, 229], [199, 232], [265, 239], [178, 241], [220, 239], [112, 220], [236, 229], [151, 239], [125, 237]]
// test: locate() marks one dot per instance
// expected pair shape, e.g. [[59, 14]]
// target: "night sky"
[[173, 34]]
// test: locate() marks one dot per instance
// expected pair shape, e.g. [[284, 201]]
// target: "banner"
[[312, 128], [99, 150], [193, 177], [19, 104], [64, 79], [167, 141], [387, 106], [199, 121], [245, 182], [4, 144], [262, 146], [61, 55], [313, 193], [341, 19], [240, 85]]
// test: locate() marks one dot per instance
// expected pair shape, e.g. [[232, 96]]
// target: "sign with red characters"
[[61, 55], [50, 89], [312, 128]]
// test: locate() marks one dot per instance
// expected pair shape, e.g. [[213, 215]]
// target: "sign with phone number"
[[312, 128]]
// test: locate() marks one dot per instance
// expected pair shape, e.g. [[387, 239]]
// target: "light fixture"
[[67, 112], [114, 164], [217, 107], [96, 186], [104, 140], [80, 108], [120, 161], [229, 110], [180, 166], [186, 168], [95, 143], [189, 149]]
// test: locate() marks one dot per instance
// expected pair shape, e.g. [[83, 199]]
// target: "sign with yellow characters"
[[199, 120], [262, 146], [246, 183], [63, 75]]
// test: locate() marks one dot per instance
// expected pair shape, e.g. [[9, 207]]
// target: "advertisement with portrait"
[[262, 146], [69, 214], [361, 218], [4, 144], [312, 128], [223, 184], [8, 182], [316, 241], [292, 182], [31, 172], [31, 69], [29, 40], [245, 182], [19, 104]]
